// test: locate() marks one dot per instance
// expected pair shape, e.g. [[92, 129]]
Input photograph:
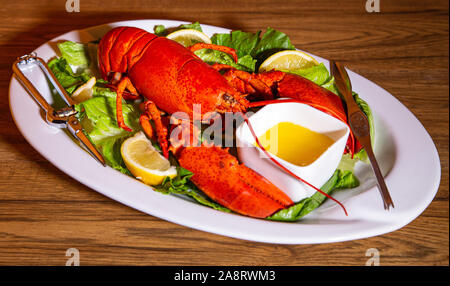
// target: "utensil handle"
[[387, 200], [55, 118], [30, 87], [359, 125]]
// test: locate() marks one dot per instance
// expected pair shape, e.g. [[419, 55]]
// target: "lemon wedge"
[[189, 37], [144, 161], [288, 60], [84, 92]]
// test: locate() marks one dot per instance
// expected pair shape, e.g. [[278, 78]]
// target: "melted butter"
[[294, 143]]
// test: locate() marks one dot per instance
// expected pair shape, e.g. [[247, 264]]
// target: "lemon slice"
[[85, 91], [288, 60], [189, 37], [144, 162]]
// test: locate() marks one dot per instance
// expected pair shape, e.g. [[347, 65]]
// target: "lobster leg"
[[124, 83], [245, 82], [152, 112], [126, 94], [184, 134]]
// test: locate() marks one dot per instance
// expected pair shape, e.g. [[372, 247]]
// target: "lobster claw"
[[269, 85], [305, 91], [222, 178]]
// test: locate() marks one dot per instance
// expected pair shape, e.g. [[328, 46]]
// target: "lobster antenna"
[[286, 169]]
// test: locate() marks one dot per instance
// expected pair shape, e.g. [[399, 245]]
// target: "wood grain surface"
[[43, 212]]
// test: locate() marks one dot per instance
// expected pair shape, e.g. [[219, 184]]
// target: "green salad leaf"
[[339, 180], [317, 74], [181, 185], [272, 41], [110, 149], [255, 45], [252, 48], [75, 54], [244, 43], [98, 118], [162, 31], [71, 69], [366, 109], [65, 76], [329, 84], [246, 63]]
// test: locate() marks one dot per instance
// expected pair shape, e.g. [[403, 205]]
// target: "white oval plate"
[[404, 149]]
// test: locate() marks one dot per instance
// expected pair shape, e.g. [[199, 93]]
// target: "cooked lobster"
[[172, 78]]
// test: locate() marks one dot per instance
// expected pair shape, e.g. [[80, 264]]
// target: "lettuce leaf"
[[272, 41], [162, 31], [246, 63], [366, 109], [340, 180], [244, 43], [71, 69], [99, 90], [74, 53], [110, 149], [181, 185], [98, 116], [64, 74], [317, 74], [257, 46], [330, 85]]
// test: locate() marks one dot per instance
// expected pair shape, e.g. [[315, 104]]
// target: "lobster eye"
[[229, 99], [114, 77], [233, 104]]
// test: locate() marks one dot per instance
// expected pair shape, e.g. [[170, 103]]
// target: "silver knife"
[[359, 125]]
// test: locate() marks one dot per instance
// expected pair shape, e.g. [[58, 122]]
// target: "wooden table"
[[43, 212]]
